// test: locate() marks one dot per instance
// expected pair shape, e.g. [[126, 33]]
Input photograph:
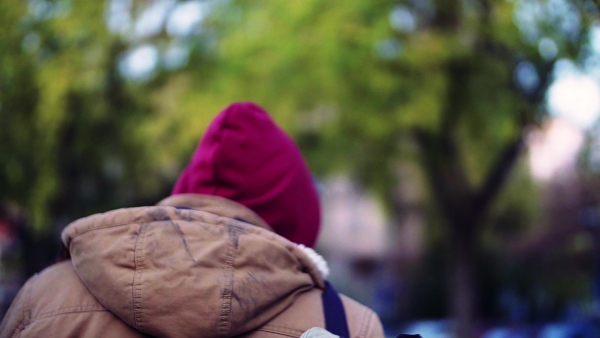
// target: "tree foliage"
[[362, 85], [72, 141], [457, 83]]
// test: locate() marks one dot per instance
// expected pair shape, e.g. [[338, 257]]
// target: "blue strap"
[[335, 316]]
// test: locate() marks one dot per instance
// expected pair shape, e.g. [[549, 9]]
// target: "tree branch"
[[497, 176], [446, 175]]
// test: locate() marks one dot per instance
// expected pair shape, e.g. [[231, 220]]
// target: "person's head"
[[245, 157]]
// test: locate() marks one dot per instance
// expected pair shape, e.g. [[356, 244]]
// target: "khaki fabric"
[[177, 270]]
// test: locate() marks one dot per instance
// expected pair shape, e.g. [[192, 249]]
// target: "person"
[[227, 254]]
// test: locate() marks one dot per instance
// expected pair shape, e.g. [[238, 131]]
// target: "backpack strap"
[[335, 315]]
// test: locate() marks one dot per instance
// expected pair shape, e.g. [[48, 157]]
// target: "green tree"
[[456, 82], [362, 86], [74, 139]]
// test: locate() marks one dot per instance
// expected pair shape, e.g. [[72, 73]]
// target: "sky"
[[574, 95], [553, 150], [574, 102], [179, 21]]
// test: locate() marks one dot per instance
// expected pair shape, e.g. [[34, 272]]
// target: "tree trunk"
[[461, 269], [464, 208]]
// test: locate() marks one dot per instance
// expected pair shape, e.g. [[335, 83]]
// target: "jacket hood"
[[245, 157], [193, 266]]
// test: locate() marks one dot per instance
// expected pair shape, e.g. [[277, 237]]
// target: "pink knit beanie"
[[245, 157]]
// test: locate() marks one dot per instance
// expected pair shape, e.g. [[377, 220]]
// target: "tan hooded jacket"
[[193, 266]]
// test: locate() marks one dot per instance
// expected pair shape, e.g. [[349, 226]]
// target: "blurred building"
[[364, 246]]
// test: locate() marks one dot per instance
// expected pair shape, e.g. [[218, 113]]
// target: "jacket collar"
[[216, 205]]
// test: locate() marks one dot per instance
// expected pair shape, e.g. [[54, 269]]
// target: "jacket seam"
[[26, 318], [19, 329], [78, 233], [92, 228], [227, 295], [81, 308], [27, 303], [22, 327], [365, 323], [281, 330], [137, 279], [75, 311]]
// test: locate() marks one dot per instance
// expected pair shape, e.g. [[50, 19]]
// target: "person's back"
[[225, 256]]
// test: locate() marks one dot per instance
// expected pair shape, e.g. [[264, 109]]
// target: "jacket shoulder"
[[55, 302], [307, 312], [362, 321]]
